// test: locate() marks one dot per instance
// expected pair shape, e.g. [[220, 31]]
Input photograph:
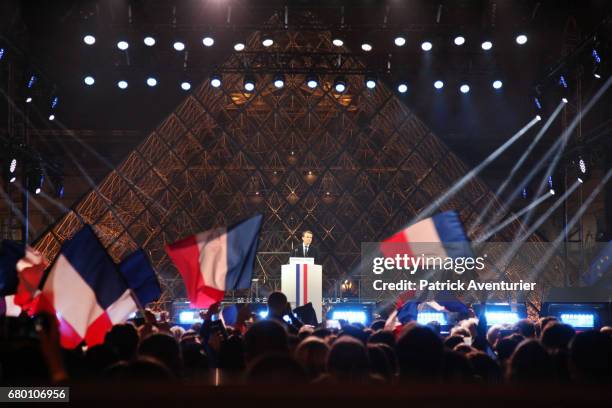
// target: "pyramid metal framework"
[[351, 167]]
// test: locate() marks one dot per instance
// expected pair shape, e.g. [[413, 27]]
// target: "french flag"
[[217, 260], [85, 291], [439, 236]]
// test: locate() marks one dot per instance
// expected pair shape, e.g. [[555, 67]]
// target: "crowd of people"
[[280, 349]]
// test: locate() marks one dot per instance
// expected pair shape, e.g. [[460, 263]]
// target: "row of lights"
[[312, 82], [267, 41]]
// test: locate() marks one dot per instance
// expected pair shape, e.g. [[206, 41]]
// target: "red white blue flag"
[[217, 260]]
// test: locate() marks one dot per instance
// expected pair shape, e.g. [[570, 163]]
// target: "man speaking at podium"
[[306, 249]]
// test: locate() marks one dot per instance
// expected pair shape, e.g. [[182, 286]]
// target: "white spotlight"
[[438, 84], [29, 99], [215, 81], [312, 82], [465, 88], [564, 100], [580, 180], [179, 46], [366, 47], [400, 41], [459, 40], [51, 117], [538, 118], [149, 41], [497, 84], [208, 41], [239, 46], [370, 83], [123, 45], [185, 86], [582, 165], [521, 39], [89, 39], [13, 166], [267, 41], [426, 46], [122, 84], [89, 80], [402, 87], [12, 180], [486, 45], [551, 191], [279, 81], [340, 84], [37, 191], [338, 42], [151, 81]]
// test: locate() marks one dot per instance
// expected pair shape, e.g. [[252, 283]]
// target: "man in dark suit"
[[306, 249]]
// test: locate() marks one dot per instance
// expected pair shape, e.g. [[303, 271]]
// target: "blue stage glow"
[[501, 318], [351, 316], [562, 81], [550, 182], [537, 102], [1, 53], [428, 317], [596, 56], [54, 102], [580, 320], [189, 317], [263, 314]]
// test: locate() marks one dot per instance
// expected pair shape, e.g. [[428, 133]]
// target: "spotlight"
[[550, 182], [551, 191], [208, 41], [438, 84], [29, 99], [267, 41], [54, 102], [151, 81], [537, 102], [12, 179], [596, 56], [580, 180], [32, 81], [538, 118], [497, 84], [400, 41], [486, 45], [367, 47], [215, 80], [149, 41], [521, 39], [562, 81], [179, 46], [596, 72], [249, 83], [402, 87], [51, 117], [89, 80], [370, 82], [338, 42], [279, 81], [37, 191], [89, 39], [13, 165], [312, 81], [426, 46], [122, 84], [340, 84], [123, 45], [239, 46], [1, 53], [465, 88], [564, 100], [185, 85], [524, 193], [582, 165], [459, 40]]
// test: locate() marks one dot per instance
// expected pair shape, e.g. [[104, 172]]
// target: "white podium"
[[302, 282]]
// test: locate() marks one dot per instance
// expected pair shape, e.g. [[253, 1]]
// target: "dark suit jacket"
[[312, 252]]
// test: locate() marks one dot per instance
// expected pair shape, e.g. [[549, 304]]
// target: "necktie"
[[305, 250]]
